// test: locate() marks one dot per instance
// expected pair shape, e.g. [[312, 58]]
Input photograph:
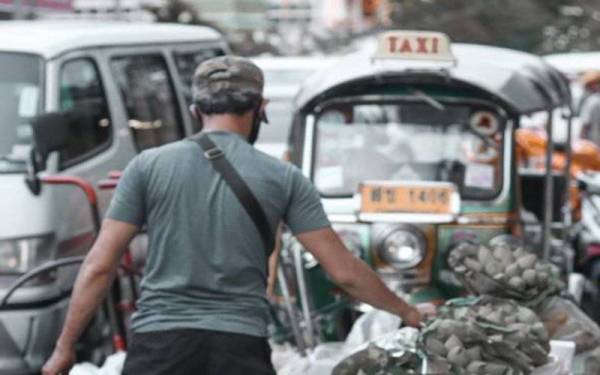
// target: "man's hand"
[[416, 315], [273, 265], [60, 362], [412, 317], [427, 309]]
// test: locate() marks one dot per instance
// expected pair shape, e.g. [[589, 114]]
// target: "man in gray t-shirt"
[[203, 270], [203, 308]]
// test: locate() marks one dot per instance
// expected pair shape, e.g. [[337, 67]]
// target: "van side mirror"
[[50, 133]]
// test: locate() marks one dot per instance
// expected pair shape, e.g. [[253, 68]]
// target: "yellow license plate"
[[406, 199]]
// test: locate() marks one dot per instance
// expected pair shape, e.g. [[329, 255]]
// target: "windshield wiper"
[[429, 100]]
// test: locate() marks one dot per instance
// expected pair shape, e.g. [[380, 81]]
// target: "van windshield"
[[20, 100], [409, 141]]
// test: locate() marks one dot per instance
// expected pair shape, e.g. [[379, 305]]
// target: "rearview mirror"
[[50, 133]]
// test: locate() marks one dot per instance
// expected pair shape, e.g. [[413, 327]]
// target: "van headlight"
[[402, 247], [18, 256]]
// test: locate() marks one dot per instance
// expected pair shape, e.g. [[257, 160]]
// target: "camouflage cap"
[[227, 73]]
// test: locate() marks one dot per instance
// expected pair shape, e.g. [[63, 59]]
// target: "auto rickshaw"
[[412, 147]]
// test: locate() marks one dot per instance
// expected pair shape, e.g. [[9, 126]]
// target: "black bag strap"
[[239, 187]]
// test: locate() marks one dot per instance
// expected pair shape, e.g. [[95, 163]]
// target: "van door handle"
[[144, 125]]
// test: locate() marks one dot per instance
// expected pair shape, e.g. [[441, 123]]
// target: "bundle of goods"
[[505, 269], [376, 360], [477, 335], [392, 354], [487, 335]]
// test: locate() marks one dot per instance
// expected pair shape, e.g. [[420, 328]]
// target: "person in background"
[[589, 107]]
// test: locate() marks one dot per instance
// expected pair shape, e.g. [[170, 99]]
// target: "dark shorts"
[[194, 351]]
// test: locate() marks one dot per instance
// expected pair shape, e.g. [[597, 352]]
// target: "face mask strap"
[[256, 122], [198, 117]]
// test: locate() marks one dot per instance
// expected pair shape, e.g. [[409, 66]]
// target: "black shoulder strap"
[[239, 188]]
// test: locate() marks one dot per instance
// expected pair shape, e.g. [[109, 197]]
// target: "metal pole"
[[18, 13], [548, 190], [118, 9], [291, 312], [567, 215], [303, 295]]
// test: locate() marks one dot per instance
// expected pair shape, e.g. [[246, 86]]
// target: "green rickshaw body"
[[382, 137]]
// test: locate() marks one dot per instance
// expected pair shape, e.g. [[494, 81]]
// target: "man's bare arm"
[[355, 276], [95, 277]]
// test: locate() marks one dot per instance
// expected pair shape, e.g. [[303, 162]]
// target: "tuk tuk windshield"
[[20, 94], [409, 141]]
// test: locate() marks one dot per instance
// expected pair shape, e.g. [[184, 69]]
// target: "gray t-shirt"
[[206, 263]]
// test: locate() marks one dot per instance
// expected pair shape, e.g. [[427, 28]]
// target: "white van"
[[131, 83]]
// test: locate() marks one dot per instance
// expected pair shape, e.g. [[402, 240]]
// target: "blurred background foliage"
[[540, 26]]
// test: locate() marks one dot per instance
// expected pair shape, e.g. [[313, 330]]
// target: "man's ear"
[[262, 110], [196, 115]]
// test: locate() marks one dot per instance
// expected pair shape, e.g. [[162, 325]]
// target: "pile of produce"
[[486, 336], [476, 335], [564, 320], [392, 354], [504, 269], [374, 360], [505, 329]]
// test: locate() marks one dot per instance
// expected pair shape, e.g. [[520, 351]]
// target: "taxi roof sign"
[[414, 45]]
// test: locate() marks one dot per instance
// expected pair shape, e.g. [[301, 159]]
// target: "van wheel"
[[95, 343]]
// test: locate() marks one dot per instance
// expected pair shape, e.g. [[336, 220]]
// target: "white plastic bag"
[[369, 327], [324, 358], [287, 361], [321, 361], [112, 366]]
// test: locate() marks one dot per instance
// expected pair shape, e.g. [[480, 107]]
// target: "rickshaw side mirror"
[[50, 133]]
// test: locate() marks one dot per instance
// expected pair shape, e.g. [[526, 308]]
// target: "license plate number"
[[405, 199]]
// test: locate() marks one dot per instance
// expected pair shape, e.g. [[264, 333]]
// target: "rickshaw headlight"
[[18, 256], [402, 248]]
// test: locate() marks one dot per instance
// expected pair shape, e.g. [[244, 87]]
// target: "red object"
[[115, 175], [126, 306], [64, 5], [128, 258], [111, 181], [108, 184], [77, 181], [87, 188], [593, 250], [119, 343]]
